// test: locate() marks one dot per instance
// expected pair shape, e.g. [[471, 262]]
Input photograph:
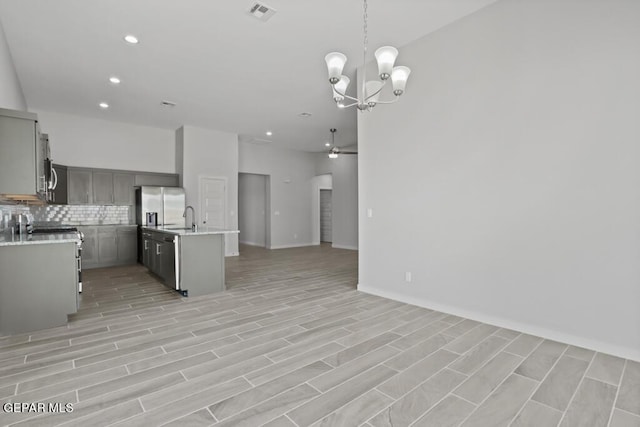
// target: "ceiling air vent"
[[165, 103], [261, 11]]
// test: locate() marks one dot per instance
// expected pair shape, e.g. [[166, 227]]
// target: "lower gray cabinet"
[[106, 246], [89, 247], [127, 240]]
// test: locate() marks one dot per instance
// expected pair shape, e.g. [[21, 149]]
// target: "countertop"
[[37, 239], [188, 232]]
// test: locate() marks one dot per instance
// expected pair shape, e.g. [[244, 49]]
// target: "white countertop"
[[188, 232], [37, 239]]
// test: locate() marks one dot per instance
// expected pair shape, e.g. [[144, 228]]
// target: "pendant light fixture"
[[385, 57]]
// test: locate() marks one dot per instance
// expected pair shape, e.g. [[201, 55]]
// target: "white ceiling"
[[225, 69]]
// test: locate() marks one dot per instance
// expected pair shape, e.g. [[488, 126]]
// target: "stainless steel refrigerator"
[[168, 203]]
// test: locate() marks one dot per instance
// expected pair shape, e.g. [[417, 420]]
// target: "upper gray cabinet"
[[158, 179], [80, 186], [109, 187], [102, 188], [99, 187], [123, 189], [18, 152]]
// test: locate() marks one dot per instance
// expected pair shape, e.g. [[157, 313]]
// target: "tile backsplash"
[[74, 214]]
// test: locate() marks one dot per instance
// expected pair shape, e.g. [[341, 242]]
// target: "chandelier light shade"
[[335, 65], [385, 58], [340, 88], [399, 78]]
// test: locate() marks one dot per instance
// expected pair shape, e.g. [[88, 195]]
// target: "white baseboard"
[[297, 245], [596, 345], [352, 248], [260, 245]]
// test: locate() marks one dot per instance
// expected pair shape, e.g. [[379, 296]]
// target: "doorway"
[[253, 205], [326, 209]]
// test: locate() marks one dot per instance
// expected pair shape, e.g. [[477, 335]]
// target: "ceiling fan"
[[334, 151]]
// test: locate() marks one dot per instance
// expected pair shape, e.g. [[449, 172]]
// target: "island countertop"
[[7, 239], [183, 231]]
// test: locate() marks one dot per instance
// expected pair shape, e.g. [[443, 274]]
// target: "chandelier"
[[385, 57]]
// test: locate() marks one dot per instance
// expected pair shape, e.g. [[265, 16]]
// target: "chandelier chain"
[[365, 17]]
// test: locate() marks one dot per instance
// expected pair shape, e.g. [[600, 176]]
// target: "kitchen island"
[[190, 262], [38, 281]]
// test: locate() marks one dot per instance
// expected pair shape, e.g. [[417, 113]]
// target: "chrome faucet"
[[194, 226]]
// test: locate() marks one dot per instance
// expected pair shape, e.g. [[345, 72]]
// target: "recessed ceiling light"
[[305, 114], [269, 133], [114, 80], [327, 144], [131, 39], [104, 105]]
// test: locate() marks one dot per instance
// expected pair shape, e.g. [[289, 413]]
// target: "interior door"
[[326, 229], [213, 197]]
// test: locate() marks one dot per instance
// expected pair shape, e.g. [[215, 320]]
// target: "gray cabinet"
[[158, 255], [147, 247], [80, 186], [107, 246], [89, 247], [157, 179], [123, 189], [127, 240], [102, 188], [20, 152], [38, 287], [60, 195]]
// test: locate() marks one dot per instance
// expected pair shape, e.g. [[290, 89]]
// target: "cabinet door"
[[162, 180], [123, 191], [60, 195], [107, 245], [156, 257], [146, 251], [102, 188], [127, 245], [17, 155], [89, 247], [80, 187], [168, 263]]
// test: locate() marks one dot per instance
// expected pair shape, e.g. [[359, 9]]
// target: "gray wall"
[[252, 209], [11, 95], [506, 178], [290, 187], [344, 172], [210, 153]]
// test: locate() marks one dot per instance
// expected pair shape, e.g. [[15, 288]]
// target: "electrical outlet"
[[295, 236], [407, 276]]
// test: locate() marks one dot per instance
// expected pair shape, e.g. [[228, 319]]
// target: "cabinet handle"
[[87, 196], [146, 245], [158, 249]]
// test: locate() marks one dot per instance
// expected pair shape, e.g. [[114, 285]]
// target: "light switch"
[[370, 213], [407, 276], [276, 213]]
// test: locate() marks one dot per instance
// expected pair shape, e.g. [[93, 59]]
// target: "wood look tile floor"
[[292, 343]]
